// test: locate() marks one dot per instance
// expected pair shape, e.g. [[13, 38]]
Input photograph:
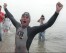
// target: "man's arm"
[[51, 20], [10, 16]]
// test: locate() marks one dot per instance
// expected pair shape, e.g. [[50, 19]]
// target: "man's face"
[[25, 20]]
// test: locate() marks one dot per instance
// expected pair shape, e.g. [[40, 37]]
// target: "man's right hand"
[[5, 5]]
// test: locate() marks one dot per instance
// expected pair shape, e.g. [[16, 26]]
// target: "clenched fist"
[[59, 6], [5, 5]]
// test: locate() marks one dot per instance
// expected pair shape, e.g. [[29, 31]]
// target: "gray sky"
[[36, 8]]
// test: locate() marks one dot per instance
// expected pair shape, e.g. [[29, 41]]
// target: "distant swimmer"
[[41, 34]]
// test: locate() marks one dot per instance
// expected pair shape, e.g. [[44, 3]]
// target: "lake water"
[[55, 41]]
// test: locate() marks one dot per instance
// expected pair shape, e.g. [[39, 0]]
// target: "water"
[[55, 41]]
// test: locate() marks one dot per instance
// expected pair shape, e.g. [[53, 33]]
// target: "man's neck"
[[24, 27]]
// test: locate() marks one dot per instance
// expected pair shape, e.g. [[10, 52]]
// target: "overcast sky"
[[36, 8]]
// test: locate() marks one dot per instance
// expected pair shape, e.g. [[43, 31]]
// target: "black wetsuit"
[[32, 31]]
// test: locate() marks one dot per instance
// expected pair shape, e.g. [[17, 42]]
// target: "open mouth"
[[24, 21]]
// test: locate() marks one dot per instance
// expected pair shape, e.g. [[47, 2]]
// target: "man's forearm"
[[46, 25], [8, 13], [52, 20], [10, 16]]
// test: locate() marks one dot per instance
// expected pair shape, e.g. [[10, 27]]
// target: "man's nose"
[[24, 18]]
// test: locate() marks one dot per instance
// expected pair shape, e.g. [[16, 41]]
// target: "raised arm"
[[10, 16], [51, 20], [54, 17]]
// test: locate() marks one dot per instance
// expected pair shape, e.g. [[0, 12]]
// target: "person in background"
[[6, 24], [2, 16], [41, 34]]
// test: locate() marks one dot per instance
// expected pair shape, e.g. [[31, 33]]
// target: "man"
[[24, 33], [1, 20], [41, 34]]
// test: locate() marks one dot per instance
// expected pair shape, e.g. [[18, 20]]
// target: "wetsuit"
[[32, 31]]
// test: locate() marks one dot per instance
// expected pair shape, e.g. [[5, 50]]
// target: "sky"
[[36, 8]]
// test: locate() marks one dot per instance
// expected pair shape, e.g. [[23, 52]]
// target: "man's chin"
[[24, 26]]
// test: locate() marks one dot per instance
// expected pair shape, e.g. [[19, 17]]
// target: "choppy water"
[[55, 41]]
